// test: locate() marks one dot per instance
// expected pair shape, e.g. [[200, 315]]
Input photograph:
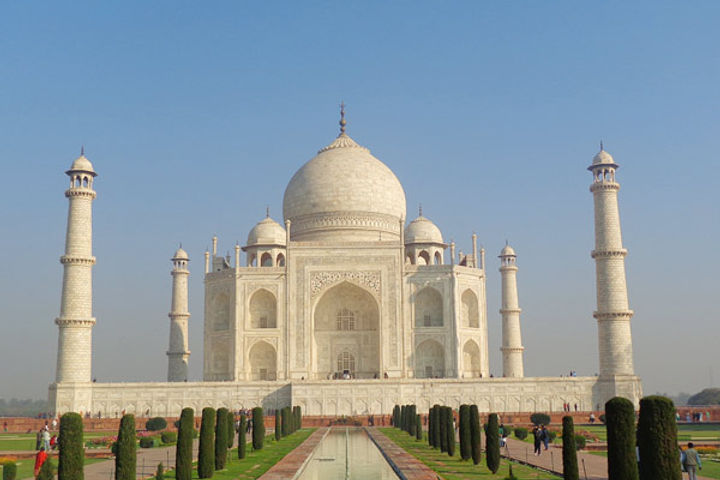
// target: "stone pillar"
[[178, 353], [74, 357], [512, 349], [612, 314]]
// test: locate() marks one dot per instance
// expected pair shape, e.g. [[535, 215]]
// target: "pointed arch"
[[428, 305], [438, 258], [471, 359], [429, 360], [266, 260], [423, 258], [263, 309], [470, 314], [263, 361], [280, 261]]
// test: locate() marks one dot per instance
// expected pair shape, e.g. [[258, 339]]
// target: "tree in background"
[[442, 424], [465, 440], [569, 452], [418, 428], [279, 423], [621, 436], [70, 444], [492, 443], [183, 449], [450, 431], [221, 435], [258, 431], [475, 434], [206, 454], [709, 396], [125, 454], [657, 439], [242, 432]]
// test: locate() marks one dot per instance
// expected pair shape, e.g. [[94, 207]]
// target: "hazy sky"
[[197, 114]]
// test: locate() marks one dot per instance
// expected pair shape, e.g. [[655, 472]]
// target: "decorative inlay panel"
[[320, 281]]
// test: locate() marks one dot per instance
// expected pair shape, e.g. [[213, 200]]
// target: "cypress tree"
[[206, 454], [418, 428], [70, 444], [221, 435], [620, 423], [569, 452], [450, 430], [430, 427], [230, 430], [492, 444], [46, 471], [403, 417], [396, 416], [286, 421], [183, 449], [279, 414], [258, 431], [9, 470], [242, 431], [125, 455], [442, 430], [475, 436], [298, 425], [465, 434], [436, 426], [657, 439], [412, 420]]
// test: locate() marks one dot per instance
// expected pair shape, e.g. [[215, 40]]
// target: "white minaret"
[[512, 348], [178, 353], [613, 315], [74, 360]]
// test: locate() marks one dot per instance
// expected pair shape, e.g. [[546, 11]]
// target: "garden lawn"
[[453, 468], [258, 462], [26, 441], [25, 466]]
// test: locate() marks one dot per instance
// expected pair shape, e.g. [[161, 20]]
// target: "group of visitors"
[[541, 437], [566, 407], [44, 442], [694, 417]]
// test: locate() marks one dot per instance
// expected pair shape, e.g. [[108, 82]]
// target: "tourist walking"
[[38, 439], [46, 439], [545, 437], [692, 461], [537, 440], [39, 460]]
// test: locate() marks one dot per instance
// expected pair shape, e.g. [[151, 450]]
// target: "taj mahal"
[[344, 308]]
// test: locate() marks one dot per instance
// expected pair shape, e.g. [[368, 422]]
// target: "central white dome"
[[344, 194]]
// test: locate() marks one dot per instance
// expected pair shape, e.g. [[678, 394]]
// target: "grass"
[[710, 469], [258, 462], [26, 441], [453, 468], [25, 466]]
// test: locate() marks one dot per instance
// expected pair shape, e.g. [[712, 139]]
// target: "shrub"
[[552, 435], [47, 471], [395, 416], [279, 423], [620, 421], [580, 441], [450, 430], [230, 430], [412, 420], [70, 444], [540, 419], [258, 431], [510, 476], [442, 429], [465, 440], [221, 435], [242, 430], [160, 472], [492, 445], [168, 437], [285, 419], [521, 433], [206, 454], [603, 418], [418, 428], [431, 425], [183, 449], [657, 439], [155, 424], [10, 470], [475, 435], [125, 457], [145, 442], [569, 452]]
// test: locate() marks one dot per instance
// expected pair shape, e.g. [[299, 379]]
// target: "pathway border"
[[405, 465], [294, 462]]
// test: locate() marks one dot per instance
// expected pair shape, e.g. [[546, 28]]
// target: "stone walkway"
[[294, 461], [404, 464]]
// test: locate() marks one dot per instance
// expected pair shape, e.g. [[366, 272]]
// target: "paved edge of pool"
[[294, 462], [405, 465]]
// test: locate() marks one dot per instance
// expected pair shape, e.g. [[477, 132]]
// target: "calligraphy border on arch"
[[320, 281]]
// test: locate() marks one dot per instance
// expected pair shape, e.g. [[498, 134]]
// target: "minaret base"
[[609, 386]]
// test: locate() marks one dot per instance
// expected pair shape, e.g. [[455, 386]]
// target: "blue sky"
[[196, 115]]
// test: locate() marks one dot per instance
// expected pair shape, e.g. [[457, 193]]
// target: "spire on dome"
[[82, 150], [342, 118], [267, 211], [601, 146], [420, 210]]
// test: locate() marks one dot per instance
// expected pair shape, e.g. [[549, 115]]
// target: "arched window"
[[438, 258], [266, 260], [263, 310], [253, 261], [346, 361], [280, 260], [470, 316], [345, 320], [423, 258], [428, 308]]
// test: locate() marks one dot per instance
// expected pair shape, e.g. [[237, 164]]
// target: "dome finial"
[[601, 146], [342, 118], [267, 211], [420, 210], [82, 150]]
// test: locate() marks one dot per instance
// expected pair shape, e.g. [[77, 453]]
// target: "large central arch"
[[346, 325]]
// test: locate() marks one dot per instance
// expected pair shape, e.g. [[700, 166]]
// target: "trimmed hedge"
[[155, 424], [125, 456], [70, 444], [206, 453], [475, 435], [465, 435], [168, 437], [657, 439], [621, 437], [230, 430], [47, 471], [540, 419], [521, 433], [221, 435], [160, 472], [418, 428], [279, 423], [450, 431], [412, 422], [148, 442], [442, 429], [10, 470], [258, 431], [396, 416], [242, 431], [569, 452], [183, 449], [492, 443]]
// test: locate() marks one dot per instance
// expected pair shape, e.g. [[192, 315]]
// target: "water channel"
[[347, 454]]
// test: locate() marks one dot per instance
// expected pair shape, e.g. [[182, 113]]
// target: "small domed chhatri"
[[507, 251], [82, 164], [422, 230], [180, 254], [266, 232], [602, 158]]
